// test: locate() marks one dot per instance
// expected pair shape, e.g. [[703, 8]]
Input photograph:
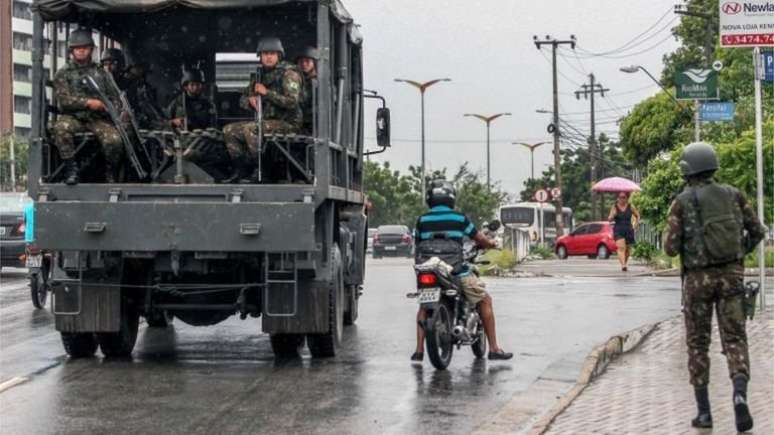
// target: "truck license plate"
[[389, 248], [427, 295], [34, 260]]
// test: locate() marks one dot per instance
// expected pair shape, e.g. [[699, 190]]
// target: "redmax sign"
[[746, 23]]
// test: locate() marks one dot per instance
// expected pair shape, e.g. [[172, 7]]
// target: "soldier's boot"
[[704, 417], [253, 178], [111, 175], [71, 176], [237, 174], [744, 421]]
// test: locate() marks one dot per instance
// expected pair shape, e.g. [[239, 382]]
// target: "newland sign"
[[747, 23]]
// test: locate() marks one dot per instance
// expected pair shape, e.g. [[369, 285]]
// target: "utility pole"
[[554, 43], [589, 90]]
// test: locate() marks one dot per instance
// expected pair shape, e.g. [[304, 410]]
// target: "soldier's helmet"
[[270, 43], [309, 52], [441, 192], [114, 55], [698, 157], [80, 38], [192, 76]]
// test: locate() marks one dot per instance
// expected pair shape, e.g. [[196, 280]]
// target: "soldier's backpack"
[[714, 230]]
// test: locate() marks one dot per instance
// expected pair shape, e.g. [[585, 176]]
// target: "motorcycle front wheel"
[[438, 333]]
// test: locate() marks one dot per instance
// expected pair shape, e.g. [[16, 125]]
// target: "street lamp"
[[532, 148], [488, 120], [422, 87]]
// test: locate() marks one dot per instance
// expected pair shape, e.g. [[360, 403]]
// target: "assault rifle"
[[130, 144], [259, 119]]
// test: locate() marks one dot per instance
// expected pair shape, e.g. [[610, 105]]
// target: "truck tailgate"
[[165, 226]]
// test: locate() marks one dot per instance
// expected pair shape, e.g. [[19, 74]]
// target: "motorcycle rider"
[[443, 219]]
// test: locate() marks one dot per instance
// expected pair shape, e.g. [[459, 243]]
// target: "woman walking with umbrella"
[[625, 218], [623, 214]]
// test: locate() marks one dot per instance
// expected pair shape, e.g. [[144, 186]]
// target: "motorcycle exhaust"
[[458, 331]]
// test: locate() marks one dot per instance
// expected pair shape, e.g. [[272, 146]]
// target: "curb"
[[595, 365]]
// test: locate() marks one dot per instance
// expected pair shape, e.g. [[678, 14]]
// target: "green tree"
[[655, 125], [20, 147], [474, 199], [663, 183]]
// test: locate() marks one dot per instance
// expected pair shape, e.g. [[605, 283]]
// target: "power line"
[[636, 53], [627, 44]]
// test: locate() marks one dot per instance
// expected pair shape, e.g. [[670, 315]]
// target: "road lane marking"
[[7, 385]]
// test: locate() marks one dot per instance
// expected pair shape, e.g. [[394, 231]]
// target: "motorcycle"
[[39, 275], [451, 320]]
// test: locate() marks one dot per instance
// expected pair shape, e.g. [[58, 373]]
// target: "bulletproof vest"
[[713, 229], [75, 74], [272, 79]]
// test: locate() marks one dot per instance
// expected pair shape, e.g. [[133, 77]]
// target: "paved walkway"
[[647, 391]]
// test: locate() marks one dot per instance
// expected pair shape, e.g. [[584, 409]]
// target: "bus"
[[527, 216]]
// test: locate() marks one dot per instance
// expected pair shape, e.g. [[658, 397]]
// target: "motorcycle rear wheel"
[[438, 341]]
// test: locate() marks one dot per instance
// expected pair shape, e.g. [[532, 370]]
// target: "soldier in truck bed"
[[82, 111], [280, 89]]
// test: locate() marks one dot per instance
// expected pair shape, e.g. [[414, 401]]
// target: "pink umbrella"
[[616, 184]]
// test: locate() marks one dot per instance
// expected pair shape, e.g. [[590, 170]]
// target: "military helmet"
[[309, 52], [192, 76], [441, 192], [270, 43], [113, 54], [698, 157], [80, 38]]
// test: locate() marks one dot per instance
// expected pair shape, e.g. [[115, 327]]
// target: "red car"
[[594, 239]]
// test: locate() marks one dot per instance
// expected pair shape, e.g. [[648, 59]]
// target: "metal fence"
[[517, 241], [647, 232]]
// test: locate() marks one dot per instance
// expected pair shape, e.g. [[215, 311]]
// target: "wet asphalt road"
[[224, 379]]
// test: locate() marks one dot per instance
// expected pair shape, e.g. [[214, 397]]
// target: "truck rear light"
[[427, 280]]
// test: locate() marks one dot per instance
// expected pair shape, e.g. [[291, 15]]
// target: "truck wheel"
[[325, 345], [159, 319], [350, 315], [286, 345], [121, 343], [79, 344]]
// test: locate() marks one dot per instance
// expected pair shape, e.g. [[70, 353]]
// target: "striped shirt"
[[442, 220]]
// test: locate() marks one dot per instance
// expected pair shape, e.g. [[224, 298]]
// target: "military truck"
[[174, 243]]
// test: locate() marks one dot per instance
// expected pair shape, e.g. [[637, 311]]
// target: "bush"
[[644, 251], [499, 260], [542, 252], [752, 259]]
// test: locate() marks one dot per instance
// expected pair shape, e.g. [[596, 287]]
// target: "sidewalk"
[[647, 391]]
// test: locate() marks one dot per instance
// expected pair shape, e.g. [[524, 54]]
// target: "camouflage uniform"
[[142, 97], [199, 110], [307, 96], [281, 111], [718, 286], [71, 95]]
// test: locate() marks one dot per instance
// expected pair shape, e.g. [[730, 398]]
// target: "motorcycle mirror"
[[494, 225]]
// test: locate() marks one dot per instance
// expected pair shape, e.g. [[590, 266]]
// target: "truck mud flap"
[[308, 317], [165, 226], [86, 304]]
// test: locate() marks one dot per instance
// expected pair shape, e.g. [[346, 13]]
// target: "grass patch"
[[542, 252], [499, 260]]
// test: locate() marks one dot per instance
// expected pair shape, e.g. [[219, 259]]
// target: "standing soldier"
[[307, 63], [280, 88], [142, 97], [191, 110], [81, 110], [712, 227]]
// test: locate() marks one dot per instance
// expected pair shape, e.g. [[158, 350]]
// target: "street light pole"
[[488, 120], [634, 68], [532, 148], [422, 87]]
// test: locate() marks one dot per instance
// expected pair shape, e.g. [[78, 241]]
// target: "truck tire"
[[79, 344], [286, 345], [325, 345], [353, 299], [120, 344]]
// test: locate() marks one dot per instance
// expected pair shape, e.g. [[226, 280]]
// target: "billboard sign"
[[697, 84], [717, 111], [746, 23]]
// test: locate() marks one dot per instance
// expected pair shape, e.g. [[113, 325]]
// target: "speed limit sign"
[[541, 195]]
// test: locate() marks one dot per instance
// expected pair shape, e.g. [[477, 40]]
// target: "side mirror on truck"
[[383, 127]]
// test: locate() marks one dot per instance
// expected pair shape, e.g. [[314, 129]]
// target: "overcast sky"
[[486, 48]]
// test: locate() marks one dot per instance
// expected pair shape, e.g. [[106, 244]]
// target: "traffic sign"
[[697, 84], [746, 23], [541, 195], [556, 193], [767, 59], [717, 111]]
